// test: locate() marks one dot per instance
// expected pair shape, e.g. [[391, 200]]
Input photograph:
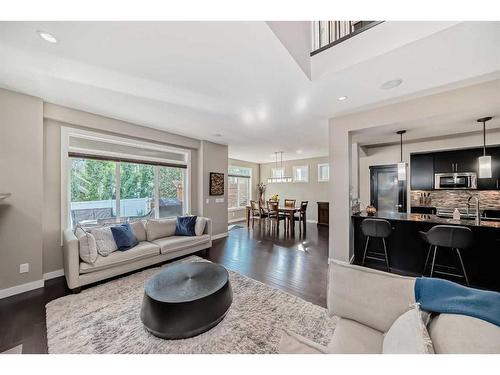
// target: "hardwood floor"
[[297, 265]]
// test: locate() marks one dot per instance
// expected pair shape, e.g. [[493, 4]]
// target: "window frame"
[[67, 133], [319, 172], [247, 177], [294, 171]]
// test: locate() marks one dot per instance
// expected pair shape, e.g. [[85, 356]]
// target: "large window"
[[121, 181], [93, 189], [239, 187]]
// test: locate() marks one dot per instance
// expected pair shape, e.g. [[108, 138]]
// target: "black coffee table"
[[186, 299]]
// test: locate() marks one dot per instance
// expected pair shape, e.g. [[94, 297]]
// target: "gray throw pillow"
[[86, 245], [104, 240]]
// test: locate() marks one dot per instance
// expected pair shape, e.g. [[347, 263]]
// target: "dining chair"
[[289, 203], [301, 215], [256, 211], [273, 213]]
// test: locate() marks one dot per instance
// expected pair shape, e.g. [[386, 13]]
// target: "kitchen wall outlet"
[[219, 200], [24, 268], [232, 214]]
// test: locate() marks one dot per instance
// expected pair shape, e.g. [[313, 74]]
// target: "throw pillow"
[[139, 229], [199, 227], [104, 240], [86, 246], [185, 226], [408, 335], [124, 236], [160, 228]]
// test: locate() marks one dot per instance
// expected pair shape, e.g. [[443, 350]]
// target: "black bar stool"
[[449, 236], [376, 228]]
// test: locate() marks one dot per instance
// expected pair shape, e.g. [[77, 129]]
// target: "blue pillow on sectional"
[[185, 226], [124, 236]]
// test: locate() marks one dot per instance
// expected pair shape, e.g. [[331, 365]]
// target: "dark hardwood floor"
[[297, 265]]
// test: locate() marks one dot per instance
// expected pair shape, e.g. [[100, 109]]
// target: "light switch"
[[208, 200], [219, 200]]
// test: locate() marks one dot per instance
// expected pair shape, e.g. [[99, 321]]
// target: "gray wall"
[[312, 191], [30, 168], [21, 173], [240, 214], [213, 158]]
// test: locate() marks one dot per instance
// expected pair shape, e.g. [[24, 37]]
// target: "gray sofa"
[[367, 302], [157, 243]]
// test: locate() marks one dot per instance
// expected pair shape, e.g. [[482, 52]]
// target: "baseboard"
[[236, 220], [53, 274], [312, 221], [220, 235], [4, 293]]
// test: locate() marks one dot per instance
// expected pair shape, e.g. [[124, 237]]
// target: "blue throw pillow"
[[185, 226], [124, 236]]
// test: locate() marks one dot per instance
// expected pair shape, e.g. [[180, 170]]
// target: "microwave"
[[463, 180]]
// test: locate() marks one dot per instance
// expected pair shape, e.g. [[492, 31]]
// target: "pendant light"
[[401, 164], [485, 160], [281, 178]]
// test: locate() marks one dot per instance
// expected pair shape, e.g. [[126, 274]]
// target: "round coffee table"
[[186, 299]]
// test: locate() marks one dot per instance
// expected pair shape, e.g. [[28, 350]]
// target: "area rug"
[[106, 319]]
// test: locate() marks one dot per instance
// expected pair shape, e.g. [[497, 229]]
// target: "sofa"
[[157, 243], [367, 302]]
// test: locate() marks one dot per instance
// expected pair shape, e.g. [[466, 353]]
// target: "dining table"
[[289, 211]]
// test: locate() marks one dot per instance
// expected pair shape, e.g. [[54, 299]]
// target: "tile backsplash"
[[458, 198]]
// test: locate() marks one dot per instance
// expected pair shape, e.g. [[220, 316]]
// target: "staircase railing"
[[326, 34]]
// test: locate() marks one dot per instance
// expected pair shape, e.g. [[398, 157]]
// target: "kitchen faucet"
[[478, 212]]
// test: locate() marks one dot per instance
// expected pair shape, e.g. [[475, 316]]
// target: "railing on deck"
[[326, 34]]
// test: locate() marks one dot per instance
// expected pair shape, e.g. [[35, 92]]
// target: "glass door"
[[387, 193]]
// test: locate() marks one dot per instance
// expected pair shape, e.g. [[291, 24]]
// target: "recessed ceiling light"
[[299, 152], [341, 98], [391, 84], [47, 36]]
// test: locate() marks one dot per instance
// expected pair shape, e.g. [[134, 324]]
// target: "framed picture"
[[216, 183]]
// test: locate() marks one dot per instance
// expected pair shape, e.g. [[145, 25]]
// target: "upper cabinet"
[[422, 172], [423, 167], [456, 161]]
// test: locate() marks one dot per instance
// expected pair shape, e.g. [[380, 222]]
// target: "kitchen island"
[[407, 250]]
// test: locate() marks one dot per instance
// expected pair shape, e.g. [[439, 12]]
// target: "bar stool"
[[449, 236], [376, 228]]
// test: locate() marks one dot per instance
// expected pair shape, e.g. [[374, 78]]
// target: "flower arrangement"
[[275, 197], [261, 187]]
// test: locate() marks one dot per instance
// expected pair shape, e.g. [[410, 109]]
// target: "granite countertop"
[[401, 216]]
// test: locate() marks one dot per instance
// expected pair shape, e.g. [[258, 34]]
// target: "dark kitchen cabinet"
[[456, 161], [422, 171]]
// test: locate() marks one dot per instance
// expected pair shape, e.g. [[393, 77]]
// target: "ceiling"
[[233, 82]]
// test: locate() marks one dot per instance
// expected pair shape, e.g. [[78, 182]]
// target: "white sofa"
[[367, 302], [157, 243]]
